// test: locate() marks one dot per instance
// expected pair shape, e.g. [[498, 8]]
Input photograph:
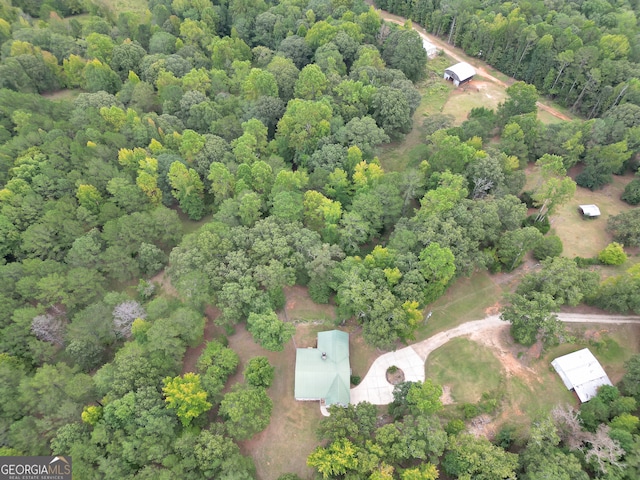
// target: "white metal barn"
[[459, 73], [580, 371]]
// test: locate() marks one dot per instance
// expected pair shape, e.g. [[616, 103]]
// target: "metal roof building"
[[324, 373], [581, 371], [589, 210], [431, 49], [459, 73]]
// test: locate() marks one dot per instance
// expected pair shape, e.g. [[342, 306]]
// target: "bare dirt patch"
[[446, 397], [500, 342], [163, 281], [211, 331], [300, 308]]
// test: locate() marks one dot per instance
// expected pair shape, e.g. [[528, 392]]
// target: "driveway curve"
[[375, 389]]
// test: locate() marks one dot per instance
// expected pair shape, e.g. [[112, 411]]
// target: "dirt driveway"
[[460, 56]]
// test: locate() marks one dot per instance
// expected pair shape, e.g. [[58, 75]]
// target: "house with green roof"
[[324, 373]]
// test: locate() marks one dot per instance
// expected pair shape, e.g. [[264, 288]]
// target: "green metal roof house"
[[323, 373]]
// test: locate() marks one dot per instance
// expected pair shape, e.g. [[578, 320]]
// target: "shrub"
[[527, 199], [550, 246], [355, 379], [631, 193], [586, 262], [613, 254], [454, 427]]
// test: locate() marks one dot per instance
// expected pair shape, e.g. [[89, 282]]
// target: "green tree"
[[438, 267], [187, 189], [625, 227], [99, 76], [404, 51], [246, 411], [302, 126], [613, 254], [531, 316], [311, 83], [522, 99], [556, 189], [186, 395], [258, 372], [471, 457], [391, 112], [514, 244], [269, 331], [549, 247], [423, 398], [338, 458]]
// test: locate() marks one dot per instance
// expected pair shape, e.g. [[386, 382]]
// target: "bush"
[[470, 410], [613, 254], [355, 379], [550, 246], [543, 225], [527, 199], [586, 262], [454, 427], [506, 436], [631, 193]]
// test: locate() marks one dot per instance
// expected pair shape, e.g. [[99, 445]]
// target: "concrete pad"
[[374, 387]]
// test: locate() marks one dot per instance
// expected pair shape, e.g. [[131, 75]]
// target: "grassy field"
[[527, 385], [477, 93], [586, 237], [119, 6], [467, 299], [476, 369]]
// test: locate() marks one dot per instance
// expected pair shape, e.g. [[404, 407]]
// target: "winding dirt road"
[[375, 389], [460, 56]]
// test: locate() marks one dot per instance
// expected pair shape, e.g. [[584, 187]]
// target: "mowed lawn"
[[466, 367], [475, 94], [291, 436], [529, 387], [587, 237]]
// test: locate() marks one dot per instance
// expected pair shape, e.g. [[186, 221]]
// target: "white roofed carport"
[[581, 371], [589, 210]]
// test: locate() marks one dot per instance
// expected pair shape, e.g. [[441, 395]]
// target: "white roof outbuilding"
[[581, 371], [589, 210], [431, 49], [459, 73]]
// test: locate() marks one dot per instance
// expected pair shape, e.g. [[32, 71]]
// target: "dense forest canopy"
[[232, 146]]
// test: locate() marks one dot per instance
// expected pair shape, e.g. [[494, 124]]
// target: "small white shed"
[[431, 49], [591, 211], [459, 73], [580, 371]]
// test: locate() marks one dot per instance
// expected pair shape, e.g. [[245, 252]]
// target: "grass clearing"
[[587, 237], [546, 118], [475, 94], [290, 437], [398, 156], [62, 95], [138, 7], [527, 385], [299, 308], [467, 299], [474, 371]]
